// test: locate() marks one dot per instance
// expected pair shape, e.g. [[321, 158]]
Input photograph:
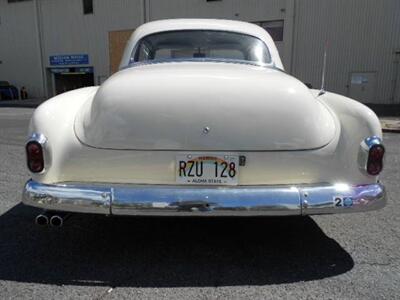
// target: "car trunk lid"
[[201, 106]]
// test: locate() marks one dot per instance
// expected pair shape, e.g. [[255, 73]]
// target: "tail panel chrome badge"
[[206, 130]]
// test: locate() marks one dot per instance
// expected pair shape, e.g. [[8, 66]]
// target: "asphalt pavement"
[[353, 256]]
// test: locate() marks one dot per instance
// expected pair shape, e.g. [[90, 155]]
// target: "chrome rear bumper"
[[205, 201]]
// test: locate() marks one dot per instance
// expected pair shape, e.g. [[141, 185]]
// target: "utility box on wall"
[[362, 86]]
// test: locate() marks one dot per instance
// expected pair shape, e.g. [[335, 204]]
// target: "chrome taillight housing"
[[370, 158], [375, 160], [35, 153], [35, 158]]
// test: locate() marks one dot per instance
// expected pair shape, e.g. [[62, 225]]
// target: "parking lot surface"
[[354, 256]]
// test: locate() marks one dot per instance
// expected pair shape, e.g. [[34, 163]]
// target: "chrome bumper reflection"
[[205, 201]]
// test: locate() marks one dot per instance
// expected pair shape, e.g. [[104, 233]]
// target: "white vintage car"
[[202, 120]]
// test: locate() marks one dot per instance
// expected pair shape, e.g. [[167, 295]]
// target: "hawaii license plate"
[[207, 168]]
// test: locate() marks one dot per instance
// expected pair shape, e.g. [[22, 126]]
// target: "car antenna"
[[322, 90]]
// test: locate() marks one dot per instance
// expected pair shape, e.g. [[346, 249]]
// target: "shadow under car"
[[95, 250]]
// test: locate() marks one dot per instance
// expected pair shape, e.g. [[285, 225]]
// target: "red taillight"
[[34, 154], [375, 160]]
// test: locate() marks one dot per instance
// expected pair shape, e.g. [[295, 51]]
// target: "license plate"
[[207, 168]]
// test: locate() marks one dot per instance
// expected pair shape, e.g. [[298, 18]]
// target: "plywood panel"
[[117, 42]]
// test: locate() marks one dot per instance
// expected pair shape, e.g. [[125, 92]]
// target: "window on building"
[[87, 7], [274, 28]]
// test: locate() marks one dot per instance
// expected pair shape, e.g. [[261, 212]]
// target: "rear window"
[[201, 45]]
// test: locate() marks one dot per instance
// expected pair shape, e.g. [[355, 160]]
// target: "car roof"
[[207, 24], [200, 24]]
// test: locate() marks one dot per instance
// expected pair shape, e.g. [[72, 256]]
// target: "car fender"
[[357, 122], [54, 119]]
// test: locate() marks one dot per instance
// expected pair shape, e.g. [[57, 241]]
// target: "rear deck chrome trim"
[[165, 200]]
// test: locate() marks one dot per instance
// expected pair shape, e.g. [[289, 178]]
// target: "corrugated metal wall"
[[66, 30], [249, 10], [19, 46], [362, 36]]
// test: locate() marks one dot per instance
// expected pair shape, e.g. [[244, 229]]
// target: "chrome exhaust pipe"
[[58, 220], [42, 219]]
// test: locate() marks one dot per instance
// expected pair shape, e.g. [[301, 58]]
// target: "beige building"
[[50, 46]]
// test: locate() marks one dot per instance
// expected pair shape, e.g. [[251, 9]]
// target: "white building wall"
[[19, 46], [362, 36], [66, 30], [249, 10]]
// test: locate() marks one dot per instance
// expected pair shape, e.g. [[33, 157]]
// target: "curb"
[[390, 124], [20, 105], [29, 103], [391, 130]]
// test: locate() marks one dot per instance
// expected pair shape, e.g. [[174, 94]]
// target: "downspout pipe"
[[40, 46]]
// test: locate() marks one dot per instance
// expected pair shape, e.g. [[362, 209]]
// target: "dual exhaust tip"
[[45, 219]]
